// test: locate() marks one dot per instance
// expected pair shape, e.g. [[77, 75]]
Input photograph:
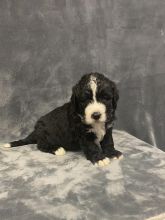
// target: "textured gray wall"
[[45, 46]]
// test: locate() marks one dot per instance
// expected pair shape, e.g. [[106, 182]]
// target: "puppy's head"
[[95, 98]]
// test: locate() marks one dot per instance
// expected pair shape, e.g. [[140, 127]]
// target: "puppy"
[[84, 123]]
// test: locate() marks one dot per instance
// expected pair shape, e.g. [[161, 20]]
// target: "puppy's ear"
[[74, 98], [115, 98]]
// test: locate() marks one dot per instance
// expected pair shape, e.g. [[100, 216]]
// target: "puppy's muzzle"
[[96, 115]]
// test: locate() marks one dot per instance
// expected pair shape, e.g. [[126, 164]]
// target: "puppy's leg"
[[47, 148], [107, 146], [45, 142], [44, 146], [94, 153]]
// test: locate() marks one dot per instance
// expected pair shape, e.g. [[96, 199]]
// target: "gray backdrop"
[[45, 46]]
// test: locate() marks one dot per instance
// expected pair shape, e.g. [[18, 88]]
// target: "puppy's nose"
[[96, 115]]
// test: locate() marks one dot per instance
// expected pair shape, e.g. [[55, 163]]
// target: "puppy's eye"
[[85, 97], [106, 97]]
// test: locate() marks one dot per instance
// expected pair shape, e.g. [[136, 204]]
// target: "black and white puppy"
[[84, 123]]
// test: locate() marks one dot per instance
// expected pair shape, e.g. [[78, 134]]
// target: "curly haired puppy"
[[84, 123]]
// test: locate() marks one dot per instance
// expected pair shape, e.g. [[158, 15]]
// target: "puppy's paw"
[[102, 163], [121, 157], [5, 145], [115, 154], [118, 158], [60, 151]]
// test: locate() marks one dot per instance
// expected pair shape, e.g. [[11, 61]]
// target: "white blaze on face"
[[94, 105], [93, 86]]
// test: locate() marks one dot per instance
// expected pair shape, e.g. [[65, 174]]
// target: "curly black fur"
[[65, 126]]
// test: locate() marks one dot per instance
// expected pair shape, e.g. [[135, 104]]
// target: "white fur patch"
[[60, 151], [7, 145], [94, 106], [99, 129], [102, 163], [93, 86]]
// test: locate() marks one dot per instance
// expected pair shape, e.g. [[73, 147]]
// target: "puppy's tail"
[[30, 139]]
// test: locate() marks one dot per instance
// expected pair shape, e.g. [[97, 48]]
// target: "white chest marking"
[[99, 130]]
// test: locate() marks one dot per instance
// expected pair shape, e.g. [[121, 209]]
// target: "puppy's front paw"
[[120, 157], [102, 163], [60, 151], [115, 154]]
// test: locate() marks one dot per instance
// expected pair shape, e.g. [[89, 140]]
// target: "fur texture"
[[84, 123]]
